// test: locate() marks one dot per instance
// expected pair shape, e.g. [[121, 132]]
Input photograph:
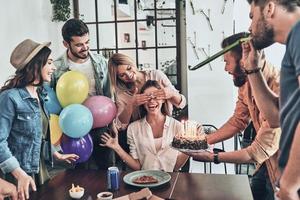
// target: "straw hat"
[[25, 51]]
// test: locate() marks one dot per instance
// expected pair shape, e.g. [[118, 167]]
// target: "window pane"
[[165, 4], [166, 29], [93, 36], [105, 10], [146, 37], [147, 59], [125, 9], [167, 63], [166, 58], [107, 36], [87, 10], [126, 35]]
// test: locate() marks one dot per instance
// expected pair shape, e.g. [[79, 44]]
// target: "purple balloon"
[[103, 110], [83, 147]]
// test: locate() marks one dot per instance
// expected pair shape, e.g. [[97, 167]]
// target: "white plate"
[[161, 176]]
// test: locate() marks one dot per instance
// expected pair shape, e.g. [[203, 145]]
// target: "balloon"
[[103, 110], [55, 131], [83, 147], [51, 102], [72, 87], [75, 120]]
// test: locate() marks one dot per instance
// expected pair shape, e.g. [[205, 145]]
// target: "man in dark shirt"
[[278, 21]]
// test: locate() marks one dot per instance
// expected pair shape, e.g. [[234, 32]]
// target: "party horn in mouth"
[[228, 48]]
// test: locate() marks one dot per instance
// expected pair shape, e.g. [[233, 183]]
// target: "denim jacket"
[[20, 131], [102, 83]]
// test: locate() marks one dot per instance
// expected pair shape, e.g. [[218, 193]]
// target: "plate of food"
[[147, 178]]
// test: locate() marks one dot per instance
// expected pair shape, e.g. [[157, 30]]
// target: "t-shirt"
[[87, 69], [289, 93]]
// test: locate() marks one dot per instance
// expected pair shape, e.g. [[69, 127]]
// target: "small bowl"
[[76, 195], [104, 196]]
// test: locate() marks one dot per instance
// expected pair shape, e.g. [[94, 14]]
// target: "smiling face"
[[233, 67], [126, 73], [78, 47], [48, 69], [153, 106], [262, 32]]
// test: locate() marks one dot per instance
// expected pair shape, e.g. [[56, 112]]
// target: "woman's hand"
[[8, 190], [140, 99], [69, 158], [164, 93], [109, 141], [24, 182]]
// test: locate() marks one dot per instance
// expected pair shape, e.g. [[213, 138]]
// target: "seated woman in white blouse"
[[150, 137]]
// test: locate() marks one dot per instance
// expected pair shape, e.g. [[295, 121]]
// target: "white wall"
[[210, 92], [20, 20]]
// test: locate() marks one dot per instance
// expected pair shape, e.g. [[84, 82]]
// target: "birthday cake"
[[193, 138], [192, 143]]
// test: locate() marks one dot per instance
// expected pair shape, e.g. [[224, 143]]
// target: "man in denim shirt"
[[78, 57]]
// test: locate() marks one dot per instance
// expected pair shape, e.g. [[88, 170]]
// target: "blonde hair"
[[114, 61]]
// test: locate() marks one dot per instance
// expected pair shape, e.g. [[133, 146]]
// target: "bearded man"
[[78, 57], [264, 148], [279, 21]]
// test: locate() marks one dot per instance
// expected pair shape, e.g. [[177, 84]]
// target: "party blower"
[[213, 57]]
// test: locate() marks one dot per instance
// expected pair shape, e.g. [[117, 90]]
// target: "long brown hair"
[[114, 61], [31, 72], [148, 84]]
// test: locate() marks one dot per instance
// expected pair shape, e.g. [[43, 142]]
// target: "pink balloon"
[[103, 110]]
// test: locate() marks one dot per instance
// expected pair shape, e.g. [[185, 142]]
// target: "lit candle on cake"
[[183, 122]]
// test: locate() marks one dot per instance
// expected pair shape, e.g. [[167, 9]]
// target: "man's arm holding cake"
[[233, 126], [241, 156], [259, 151]]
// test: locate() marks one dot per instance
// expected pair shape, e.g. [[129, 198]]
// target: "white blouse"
[[142, 146]]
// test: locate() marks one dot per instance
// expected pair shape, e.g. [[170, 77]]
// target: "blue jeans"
[[261, 186]]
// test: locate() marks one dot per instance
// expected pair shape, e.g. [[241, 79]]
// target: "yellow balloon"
[[55, 130], [72, 87]]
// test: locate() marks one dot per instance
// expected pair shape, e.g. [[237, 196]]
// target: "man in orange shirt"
[[264, 148]]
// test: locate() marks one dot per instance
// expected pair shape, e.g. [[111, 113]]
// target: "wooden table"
[[212, 187], [182, 186]]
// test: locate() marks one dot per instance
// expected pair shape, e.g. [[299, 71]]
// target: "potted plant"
[[61, 10]]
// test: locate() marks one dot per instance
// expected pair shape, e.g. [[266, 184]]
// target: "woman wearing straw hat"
[[23, 120]]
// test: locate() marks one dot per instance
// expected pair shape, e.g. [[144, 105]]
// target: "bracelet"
[[252, 71]]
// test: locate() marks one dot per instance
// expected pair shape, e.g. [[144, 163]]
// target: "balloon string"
[[213, 57]]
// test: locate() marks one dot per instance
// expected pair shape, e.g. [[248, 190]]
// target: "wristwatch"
[[216, 157], [252, 71]]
